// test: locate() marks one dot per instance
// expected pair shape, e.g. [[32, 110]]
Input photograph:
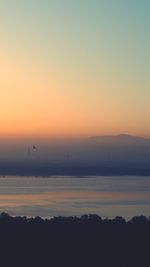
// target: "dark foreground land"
[[72, 241]]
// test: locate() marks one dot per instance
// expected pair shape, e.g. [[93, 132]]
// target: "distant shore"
[[83, 174]]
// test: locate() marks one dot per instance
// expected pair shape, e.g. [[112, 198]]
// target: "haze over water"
[[69, 196]]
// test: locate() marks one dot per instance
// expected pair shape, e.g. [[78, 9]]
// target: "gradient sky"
[[74, 67]]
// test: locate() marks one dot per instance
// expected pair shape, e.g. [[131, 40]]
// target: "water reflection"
[[106, 196]]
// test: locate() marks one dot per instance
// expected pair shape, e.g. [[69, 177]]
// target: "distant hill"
[[120, 138], [124, 151], [98, 155]]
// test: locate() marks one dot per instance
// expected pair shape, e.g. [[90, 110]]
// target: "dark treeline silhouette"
[[72, 241]]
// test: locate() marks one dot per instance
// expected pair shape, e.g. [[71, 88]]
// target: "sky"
[[74, 67]]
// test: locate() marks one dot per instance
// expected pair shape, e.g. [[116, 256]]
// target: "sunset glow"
[[74, 68]]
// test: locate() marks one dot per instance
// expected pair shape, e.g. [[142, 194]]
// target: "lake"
[[47, 197]]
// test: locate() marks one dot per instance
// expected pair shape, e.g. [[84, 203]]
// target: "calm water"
[[106, 196]]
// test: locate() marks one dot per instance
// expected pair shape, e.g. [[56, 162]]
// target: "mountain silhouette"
[[120, 137], [121, 154]]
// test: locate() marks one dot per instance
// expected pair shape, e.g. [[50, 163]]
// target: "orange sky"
[[74, 74]]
